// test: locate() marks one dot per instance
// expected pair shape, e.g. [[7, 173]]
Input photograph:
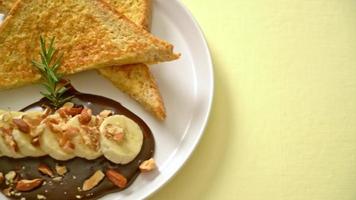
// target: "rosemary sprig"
[[48, 66]]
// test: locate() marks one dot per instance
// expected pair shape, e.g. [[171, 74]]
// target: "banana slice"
[[125, 149], [7, 137], [49, 142], [86, 141], [6, 150], [25, 146], [24, 140]]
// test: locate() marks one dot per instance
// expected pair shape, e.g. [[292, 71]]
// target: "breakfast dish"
[[186, 86], [82, 146]]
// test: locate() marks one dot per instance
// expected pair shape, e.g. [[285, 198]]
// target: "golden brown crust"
[[121, 76], [146, 20], [90, 34], [139, 11], [6, 5], [138, 82]]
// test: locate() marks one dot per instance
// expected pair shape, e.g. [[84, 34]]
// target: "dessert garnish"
[[52, 80]]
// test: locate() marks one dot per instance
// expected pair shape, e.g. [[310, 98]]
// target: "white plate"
[[186, 86]]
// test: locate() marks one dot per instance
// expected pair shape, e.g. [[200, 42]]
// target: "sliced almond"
[[61, 170], [116, 178], [22, 125], [28, 185], [148, 165], [93, 181], [44, 169]]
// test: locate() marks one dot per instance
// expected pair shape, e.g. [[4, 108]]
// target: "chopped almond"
[[148, 165], [70, 132], [61, 170], [10, 176], [41, 197], [74, 111], [9, 139], [57, 179], [116, 178], [28, 185], [118, 137], [93, 181], [46, 112], [68, 146], [44, 169], [85, 116], [62, 112], [22, 125]]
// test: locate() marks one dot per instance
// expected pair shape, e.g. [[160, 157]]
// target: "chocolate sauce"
[[79, 169]]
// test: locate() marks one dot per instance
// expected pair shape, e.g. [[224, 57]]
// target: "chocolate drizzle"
[[79, 169]]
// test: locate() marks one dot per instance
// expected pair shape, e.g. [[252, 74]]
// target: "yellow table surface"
[[283, 123]]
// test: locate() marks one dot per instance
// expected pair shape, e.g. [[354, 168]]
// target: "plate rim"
[[205, 121]]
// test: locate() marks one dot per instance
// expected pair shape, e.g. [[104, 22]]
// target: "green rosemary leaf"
[[57, 63], [51, 50], [66, 99], [48, 87], [38, 65], [62, 90], [48, 67]]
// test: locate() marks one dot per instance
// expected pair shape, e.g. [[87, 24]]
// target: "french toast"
[[91, 34], [136, 80]]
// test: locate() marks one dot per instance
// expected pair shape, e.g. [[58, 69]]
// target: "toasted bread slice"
[[138, 11], [6, 5], [90, 33], [137, 80]]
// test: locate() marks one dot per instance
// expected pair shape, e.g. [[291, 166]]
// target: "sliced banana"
[[5, 148], [25, 146], [49, 143], [126, 150], [88, 150], [24, 140]]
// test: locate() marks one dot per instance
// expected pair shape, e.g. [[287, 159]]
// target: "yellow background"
[[283, 123]]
